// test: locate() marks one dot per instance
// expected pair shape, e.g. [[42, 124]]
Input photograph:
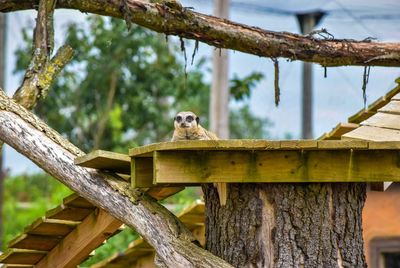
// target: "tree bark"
[[175, 245], [221, 33], [286, 225]]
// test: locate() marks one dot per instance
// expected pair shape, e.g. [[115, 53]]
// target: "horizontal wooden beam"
[[292, 166]]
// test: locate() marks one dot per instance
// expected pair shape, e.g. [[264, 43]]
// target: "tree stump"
[[287, 225]]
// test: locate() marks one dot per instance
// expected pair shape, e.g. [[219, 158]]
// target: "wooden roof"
[[388, 101], [141, 254]]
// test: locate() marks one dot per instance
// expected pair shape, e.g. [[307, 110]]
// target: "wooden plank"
[[384, 145], [64, 212], [396, 97], [383, 120], [50, 227], [205, 145], [393, 107], [337, 132], [74, 248], [299, 144], [160, 193], [18, 266], [276, 166], [99, 159], [373, 134], [37, 242], [22, 256], [77, 201], [339, 144], [142, 172], [360, 116]]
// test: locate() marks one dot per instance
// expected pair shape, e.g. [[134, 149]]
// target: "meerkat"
[[187, 127]]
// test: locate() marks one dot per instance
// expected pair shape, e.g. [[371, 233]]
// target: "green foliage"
[[26, 198], [243, 124], [240, 88], [134, 83]]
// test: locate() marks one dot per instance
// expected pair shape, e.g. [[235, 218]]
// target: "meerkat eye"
[[178, 118], [189, 118]]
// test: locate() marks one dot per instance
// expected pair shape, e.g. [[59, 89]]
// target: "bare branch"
[[223, 33]]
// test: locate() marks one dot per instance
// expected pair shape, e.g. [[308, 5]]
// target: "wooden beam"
[[81, 241], [328, 165]]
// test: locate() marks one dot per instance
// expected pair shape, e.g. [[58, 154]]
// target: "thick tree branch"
[[221, 33], [173, 242]]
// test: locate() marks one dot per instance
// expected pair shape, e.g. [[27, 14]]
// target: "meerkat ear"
[[197, 119]]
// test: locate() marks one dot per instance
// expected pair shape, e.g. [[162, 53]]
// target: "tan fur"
[[194, 131]]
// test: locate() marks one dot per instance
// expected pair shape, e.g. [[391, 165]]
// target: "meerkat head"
[[186, 121]]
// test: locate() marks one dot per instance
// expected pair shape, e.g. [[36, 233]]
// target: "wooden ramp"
[[76, 224], [67, 234], [141, 254]]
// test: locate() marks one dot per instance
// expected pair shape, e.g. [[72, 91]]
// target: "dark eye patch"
[[178, 118], [189, 118]]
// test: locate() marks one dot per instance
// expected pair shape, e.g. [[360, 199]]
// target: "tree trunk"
[[164, 17], [286, 225]]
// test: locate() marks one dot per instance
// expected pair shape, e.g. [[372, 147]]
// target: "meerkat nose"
[[183, 124]]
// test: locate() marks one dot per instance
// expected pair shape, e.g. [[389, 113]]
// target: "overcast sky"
[[335, 98]]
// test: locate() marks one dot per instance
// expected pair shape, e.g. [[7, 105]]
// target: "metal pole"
[[307, 22], [219, 97]]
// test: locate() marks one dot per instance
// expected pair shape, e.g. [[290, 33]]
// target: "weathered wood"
[[36, 242], [64, 212], [172, 241], [373, 134], [51, 227], [141, 255], [75, 247], [361, 116], [276, 166], [105, 160], [396, 97], [242, 145], [337, 132], [346, 144], [383, 120], [222, 33], [392, 107], [142, 172], [76, 201], [22, 256]]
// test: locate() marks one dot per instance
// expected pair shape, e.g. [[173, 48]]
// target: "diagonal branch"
[[174, 243], [221, 33]]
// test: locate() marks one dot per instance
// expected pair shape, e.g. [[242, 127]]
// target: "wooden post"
[[219, 99]]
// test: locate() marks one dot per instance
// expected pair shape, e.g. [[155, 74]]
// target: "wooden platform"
[[259, 161]]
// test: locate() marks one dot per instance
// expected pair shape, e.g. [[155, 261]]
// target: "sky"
[[335, 98]]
